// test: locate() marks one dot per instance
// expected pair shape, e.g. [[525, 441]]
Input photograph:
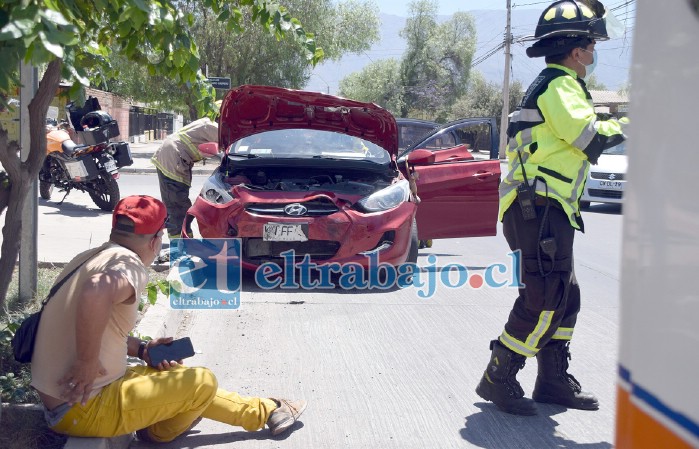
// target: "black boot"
[[554, 384], [499, 383]]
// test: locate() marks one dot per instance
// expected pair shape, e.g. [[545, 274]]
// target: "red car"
[[321, 175]]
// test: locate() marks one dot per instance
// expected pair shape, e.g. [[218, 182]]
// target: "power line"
[[628, 2], [529, 4], [490, 53]]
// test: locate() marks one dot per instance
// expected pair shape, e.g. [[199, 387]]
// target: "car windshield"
[[617, 149], [308, 143]]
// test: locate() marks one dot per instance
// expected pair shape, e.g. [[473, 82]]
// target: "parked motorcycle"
[[92, 167]]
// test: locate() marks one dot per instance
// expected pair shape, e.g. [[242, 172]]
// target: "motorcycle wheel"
[[45, 189], [105, 192]]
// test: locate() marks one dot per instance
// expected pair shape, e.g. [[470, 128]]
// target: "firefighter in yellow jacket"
[[174, 161], [554, 136]]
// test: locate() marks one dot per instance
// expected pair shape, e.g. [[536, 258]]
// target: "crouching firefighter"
[[553, 137]]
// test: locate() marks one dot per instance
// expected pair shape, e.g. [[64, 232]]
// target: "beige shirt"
[[179, 151], [55, 348]]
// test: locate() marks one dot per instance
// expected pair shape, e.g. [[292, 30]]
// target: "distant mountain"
[[612, 69]]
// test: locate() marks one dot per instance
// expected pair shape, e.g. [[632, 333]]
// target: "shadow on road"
[[71, 210], [197, 439], [493, 429]]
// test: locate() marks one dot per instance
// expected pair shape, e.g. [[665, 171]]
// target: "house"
[[611, 102]]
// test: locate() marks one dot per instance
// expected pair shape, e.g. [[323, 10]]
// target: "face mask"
[[589, 68]]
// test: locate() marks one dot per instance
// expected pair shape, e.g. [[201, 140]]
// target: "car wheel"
[[584, 204], [414, 244]]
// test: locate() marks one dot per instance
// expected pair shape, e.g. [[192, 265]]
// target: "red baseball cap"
[[148, 214]]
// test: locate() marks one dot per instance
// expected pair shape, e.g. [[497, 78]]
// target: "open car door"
[[457, 173]]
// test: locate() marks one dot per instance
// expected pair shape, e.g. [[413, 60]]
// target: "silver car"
[[606, 180]]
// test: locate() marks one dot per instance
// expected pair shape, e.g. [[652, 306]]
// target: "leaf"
[[140, 4], [56, 49], [152, 291], [82, 79], [54, 17], [16, 29]]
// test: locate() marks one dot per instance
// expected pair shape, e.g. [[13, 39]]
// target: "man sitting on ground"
[[79, 363]]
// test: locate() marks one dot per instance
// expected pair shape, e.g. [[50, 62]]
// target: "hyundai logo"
[[612, 176], [295, 209]]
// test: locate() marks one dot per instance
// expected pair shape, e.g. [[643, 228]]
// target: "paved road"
[[385, 370], [392, 370]]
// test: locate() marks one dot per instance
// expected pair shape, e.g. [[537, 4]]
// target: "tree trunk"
[[193, 115], [22, 174], [4, 186]]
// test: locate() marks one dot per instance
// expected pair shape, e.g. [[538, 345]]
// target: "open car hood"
[[249, 110]]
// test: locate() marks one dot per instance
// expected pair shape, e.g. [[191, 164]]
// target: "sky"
[[446, 7]]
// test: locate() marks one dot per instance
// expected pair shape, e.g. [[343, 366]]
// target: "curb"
[[151, 170], [158, 321]]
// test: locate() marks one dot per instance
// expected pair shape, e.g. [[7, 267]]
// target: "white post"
[[28, 259]]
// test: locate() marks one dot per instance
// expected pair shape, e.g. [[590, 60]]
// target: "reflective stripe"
[[563, 333], [169, 174], [188, 142], [541, 327], [517, 346], [526, 137], [582, 174], [526, 115], [585, 138]]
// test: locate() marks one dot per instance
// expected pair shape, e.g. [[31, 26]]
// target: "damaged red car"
[[321, 175]]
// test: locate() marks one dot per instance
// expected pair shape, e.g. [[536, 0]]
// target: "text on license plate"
[[611, 184], [110, 166], [281, 232]]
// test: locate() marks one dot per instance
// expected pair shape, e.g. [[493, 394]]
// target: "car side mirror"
[[421, 157], [208, 148]]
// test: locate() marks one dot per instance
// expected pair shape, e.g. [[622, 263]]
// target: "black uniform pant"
[[547, 307], [175, 196]]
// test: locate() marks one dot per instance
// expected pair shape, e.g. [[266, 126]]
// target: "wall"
[[115, 106]]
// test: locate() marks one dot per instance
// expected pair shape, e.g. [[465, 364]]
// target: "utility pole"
[[506, 85]]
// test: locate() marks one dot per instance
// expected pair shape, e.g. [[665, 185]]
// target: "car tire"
[[584, 205], [414, 244]]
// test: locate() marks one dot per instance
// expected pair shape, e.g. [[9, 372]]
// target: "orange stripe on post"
[[635, 429]]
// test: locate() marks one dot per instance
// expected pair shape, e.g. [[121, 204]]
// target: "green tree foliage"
[[436, 65], [253, 56], [74, 38], [484, 99], [594, 84], [379, 83]]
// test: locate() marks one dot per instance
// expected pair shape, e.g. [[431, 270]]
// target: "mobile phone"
[[176, 350]]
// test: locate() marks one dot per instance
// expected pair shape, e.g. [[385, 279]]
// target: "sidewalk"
[[141, 152]]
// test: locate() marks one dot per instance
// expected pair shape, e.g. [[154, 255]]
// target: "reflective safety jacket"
[[178, 153], [558, 135]]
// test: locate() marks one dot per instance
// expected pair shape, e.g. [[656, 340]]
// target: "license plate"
[[281, 232], [76, 169], [616, 185], [110, 166]]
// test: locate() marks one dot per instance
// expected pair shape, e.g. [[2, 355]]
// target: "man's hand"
[[165, 364], [77, 383]]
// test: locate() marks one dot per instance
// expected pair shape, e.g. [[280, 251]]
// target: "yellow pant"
[[165, 402]]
